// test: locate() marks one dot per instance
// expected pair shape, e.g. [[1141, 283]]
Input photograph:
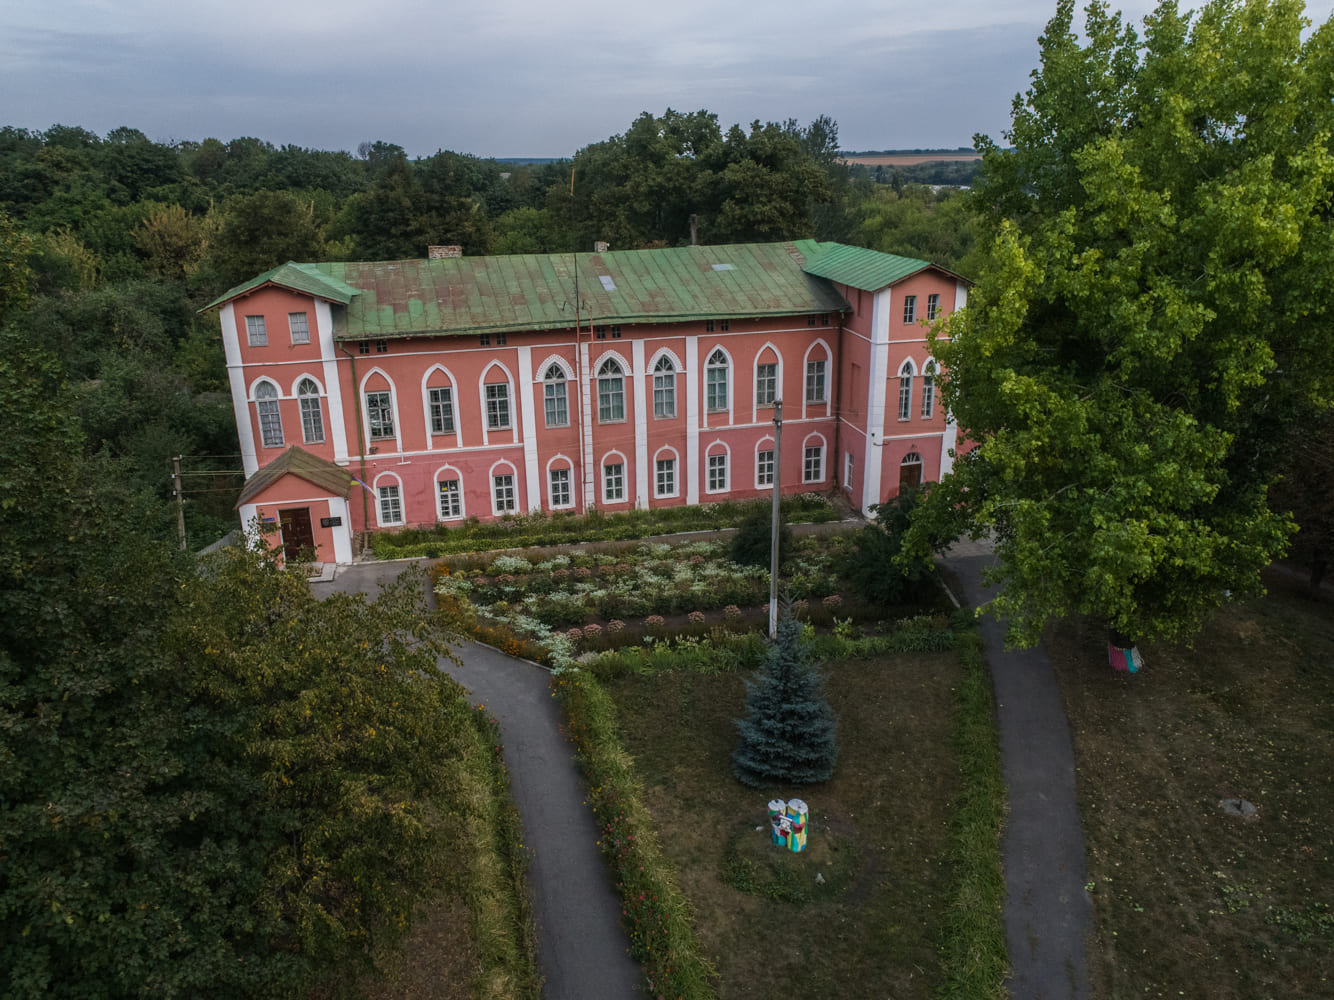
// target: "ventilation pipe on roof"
[[443, 253], [599, 246]]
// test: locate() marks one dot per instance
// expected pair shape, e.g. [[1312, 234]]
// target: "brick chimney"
[[443, 253], [600, 247]]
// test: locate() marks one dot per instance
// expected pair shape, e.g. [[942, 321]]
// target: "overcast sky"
[[517, 77]]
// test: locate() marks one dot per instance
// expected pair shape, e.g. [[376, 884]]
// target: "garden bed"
[[543, 529]]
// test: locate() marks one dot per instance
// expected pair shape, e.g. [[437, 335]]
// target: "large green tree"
[[1154, 314]]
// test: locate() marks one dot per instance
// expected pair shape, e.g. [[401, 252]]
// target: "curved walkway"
[[1047, 910], [581, 951]]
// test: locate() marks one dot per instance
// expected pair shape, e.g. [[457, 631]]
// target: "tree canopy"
[[1153, 314]]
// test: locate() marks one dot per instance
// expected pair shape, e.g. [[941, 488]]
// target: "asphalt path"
[[582, 952], [1047, 909]]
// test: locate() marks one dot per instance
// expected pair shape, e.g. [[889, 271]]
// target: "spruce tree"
[[788, 734]]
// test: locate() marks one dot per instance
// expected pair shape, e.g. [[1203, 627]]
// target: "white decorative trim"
[[731, 385], [481, 397], [402, 500], [245, 430], [828, 360], [554, 359], [440, 474], [297, 381], [555, 463], [455, 415], [755, 462], [368, 444], [332, 383], [491, 484], [727, 454], [755, 405], [594, 487], [877, 374], [677, 473], [640, 381], [531, 469], [948, 441], [960, 295], [602, 476], [692, 419], [342, 535], [824, 457]]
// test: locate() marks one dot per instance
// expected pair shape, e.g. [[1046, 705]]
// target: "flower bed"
[[519, 530]]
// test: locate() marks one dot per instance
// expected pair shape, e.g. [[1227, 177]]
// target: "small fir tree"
[[788, 734]]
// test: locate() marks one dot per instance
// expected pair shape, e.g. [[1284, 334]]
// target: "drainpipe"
[[361, 438]]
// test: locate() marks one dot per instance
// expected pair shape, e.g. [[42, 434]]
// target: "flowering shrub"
[[575, 634], [583, 573], [833, 602], [592, 631], [732, 614], [655, 621], [615, 625], [510, 564], [696, 617]]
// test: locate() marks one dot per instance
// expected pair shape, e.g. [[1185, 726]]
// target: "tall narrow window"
[[847, 470], [270, 420], [812, 470], [905, 391], [391, 505], [715, 378], [502, 494], [611, 392], [441, 404], [560, 487], [299, 326], [312, 417], [929, 390], [815, 377], [613, 483], [256, 333], [451, 499], [380, 415], [764, 468], [664, 388], [555, 398], [932, 306], [766, 384], [909, 308], [498, 406], [666, 478], [717, 481]]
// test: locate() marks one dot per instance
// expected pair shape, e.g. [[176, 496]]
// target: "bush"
[[752, 545]]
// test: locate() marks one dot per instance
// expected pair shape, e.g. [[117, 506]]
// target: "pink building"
[[370, 396]]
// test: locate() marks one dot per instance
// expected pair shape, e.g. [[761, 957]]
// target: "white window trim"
[[292, 332], [726, 456], [662, 455], [389, 479], [560, 463], [819, 343], [614, 458], [498, 469], [815, 441], [729, 386], [366, 412], [301, 410], [277, 401], [611, 357], [902, 405], [453, 387], [759, 447], [654, 374], [761, 359], [449, 472], [847, 470], [483, 380], [927, 407], [249, 336]]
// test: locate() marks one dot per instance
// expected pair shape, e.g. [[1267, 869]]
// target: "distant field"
[[908, 159]]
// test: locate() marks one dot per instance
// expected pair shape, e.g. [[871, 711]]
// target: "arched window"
[[929, 389], [715, 381], [611, 392], [910, 471], [905, 390], [555, 397], [664, 388], [270, 420], [312, 416]]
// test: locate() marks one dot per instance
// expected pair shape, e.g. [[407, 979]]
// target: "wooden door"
[[297, 530], [910, 475]]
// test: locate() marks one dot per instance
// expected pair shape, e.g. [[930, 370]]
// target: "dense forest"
[[127, 238]]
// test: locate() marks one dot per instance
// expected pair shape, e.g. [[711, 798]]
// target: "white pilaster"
[[231, 349], [640, 375], [332, 388], [947, 442], [691, 470], [875, 398], [342, 535], [591, 472], [528, 418]]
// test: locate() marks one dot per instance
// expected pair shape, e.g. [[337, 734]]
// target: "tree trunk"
[[1319, 563]]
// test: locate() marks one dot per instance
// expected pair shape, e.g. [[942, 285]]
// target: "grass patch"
[[541, 528], [492, 954], [880, 831], [655, 914], [1186, 898], [973, 944]]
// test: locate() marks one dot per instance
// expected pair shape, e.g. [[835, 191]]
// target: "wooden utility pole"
[[777, 518], [180, 498]]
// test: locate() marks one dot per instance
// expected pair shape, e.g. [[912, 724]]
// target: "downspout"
[[361, 438]]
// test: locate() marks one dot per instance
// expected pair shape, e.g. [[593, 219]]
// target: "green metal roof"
[[857, 267], [537, 291], [307, 278], [298, 462]]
